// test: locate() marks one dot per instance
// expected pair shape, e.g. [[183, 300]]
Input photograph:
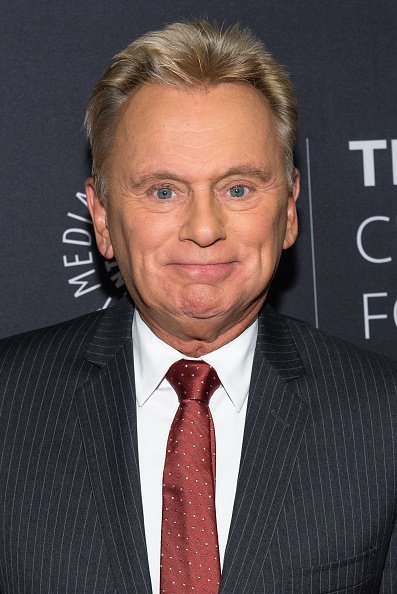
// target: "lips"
[[203, 263], [209, 270]]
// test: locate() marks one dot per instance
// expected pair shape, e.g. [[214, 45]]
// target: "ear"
[[291, 231], [98, 214]]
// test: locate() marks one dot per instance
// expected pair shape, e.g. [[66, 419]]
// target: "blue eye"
[[164, 193], [238, 191]]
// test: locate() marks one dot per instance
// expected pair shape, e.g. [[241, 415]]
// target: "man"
[[194, 191]]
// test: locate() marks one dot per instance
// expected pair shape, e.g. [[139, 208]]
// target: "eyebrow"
[[141, 182], [262, 173]]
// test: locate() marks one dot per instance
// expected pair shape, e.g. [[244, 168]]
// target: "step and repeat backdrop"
[[342, 57]]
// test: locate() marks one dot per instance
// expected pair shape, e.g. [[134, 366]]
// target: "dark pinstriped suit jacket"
[[315, 505]]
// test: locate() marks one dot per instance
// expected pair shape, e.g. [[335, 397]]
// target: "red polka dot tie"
[[189, 538]]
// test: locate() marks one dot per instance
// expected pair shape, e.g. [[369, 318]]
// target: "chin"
[[203, 301], [207, 311], [201, 315]]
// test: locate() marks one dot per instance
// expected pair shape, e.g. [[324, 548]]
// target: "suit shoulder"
[[323, 350], [45, 346], [65, 345], [49, 333]]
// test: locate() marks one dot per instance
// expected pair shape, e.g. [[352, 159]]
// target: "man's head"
[[187, 55], [194, 189]]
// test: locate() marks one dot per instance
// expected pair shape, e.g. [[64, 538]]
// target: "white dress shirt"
[[157, 403]]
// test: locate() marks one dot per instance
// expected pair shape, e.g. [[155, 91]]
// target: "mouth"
[[208, 271]]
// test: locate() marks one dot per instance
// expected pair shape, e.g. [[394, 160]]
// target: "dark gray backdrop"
[[342, 58]]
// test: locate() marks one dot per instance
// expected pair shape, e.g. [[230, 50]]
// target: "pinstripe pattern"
[[322, 415], [316, 498], [71, 517]]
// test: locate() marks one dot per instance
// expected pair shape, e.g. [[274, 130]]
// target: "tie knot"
[[193, 380]]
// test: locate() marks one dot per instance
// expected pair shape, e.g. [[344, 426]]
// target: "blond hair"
[[189, 54]]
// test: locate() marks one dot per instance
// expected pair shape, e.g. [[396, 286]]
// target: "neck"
[[200, 338]]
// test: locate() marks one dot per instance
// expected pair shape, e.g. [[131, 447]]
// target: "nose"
[[204, 221]]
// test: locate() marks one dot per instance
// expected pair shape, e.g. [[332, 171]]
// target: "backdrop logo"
[[89, 275], [377, 305]]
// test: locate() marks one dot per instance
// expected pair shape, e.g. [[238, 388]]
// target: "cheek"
[[262, 233], [123, 239], [273, 229], [141, 249]]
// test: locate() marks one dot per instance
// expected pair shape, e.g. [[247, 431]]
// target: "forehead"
[[224, 122], [158, 104]]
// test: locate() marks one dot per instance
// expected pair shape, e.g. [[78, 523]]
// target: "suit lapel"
[[275, 421], [107, 415], [276, 418]]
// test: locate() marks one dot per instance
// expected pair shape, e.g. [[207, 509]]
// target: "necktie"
[[189, 539]]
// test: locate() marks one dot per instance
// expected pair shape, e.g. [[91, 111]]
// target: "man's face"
[[199, 209]]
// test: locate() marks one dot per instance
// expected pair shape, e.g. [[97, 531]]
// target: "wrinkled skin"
[[198, 212]]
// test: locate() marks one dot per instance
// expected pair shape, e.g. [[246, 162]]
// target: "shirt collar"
[[153, 357]]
